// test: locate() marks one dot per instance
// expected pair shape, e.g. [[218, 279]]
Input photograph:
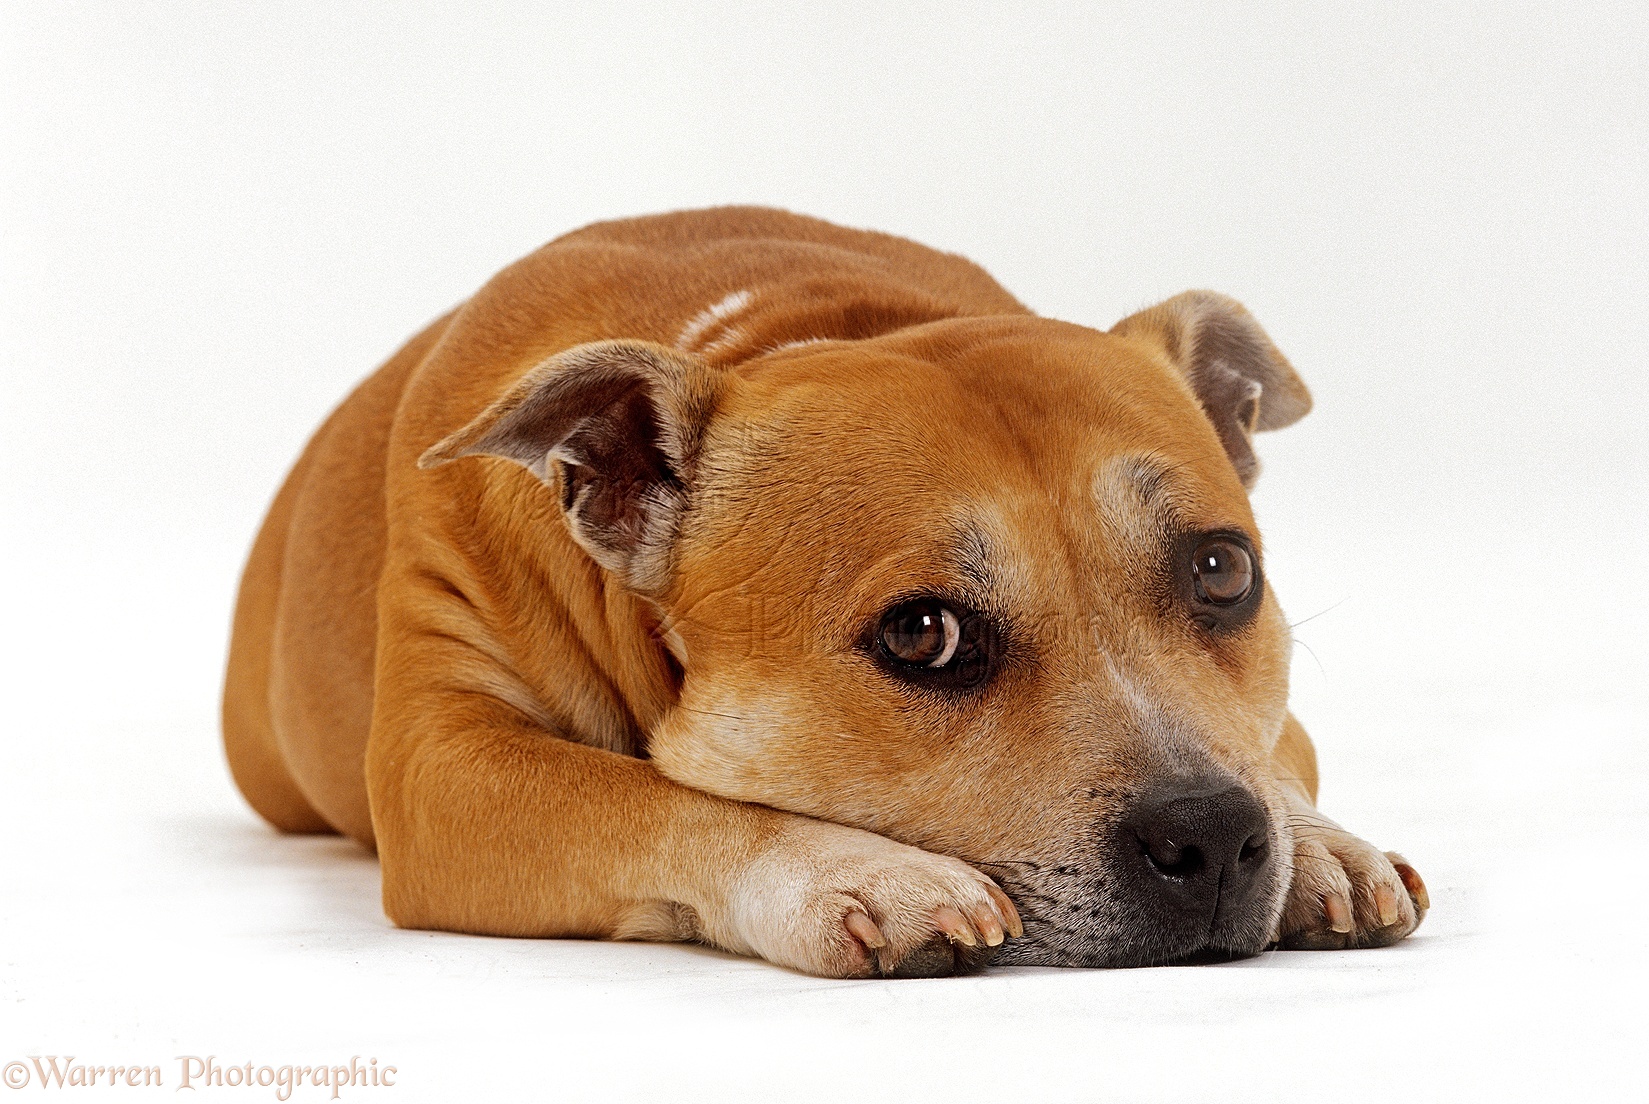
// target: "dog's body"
[[796, 566]]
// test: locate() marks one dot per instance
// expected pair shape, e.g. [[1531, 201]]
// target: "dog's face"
[[990, 587]]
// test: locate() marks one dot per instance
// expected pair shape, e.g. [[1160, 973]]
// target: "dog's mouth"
[[1139, 945], [1087, 935], [1194, 880]]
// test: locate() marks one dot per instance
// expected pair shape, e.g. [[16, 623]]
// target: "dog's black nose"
[[1201, 851]]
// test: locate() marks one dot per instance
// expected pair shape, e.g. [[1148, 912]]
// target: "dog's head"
[[987, 586]]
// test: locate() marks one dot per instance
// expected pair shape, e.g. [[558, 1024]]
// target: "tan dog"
[[731, 576]]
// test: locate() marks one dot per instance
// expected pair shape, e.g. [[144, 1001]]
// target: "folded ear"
[[1243, 383], [616, 425]]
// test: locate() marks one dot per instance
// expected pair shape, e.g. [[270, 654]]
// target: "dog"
[[730, 576]]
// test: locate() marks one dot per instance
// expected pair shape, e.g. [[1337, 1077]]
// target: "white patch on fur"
[[1131, 492], [1168, 733], [716, 314], [1141, 707], [731, 336], [798, 343], [788, 903]]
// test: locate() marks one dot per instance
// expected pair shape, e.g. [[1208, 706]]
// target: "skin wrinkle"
[[589, 634]]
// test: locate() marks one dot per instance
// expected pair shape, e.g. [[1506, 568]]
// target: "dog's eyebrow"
[[1149, 479], [1139, 495], [973, 557]]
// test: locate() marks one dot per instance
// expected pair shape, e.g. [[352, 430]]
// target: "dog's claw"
[[955, 926], [1338, 911], [1345, 893], [864, 929], [1411, 880], [1385, 903], [989, 927], [1010, 915]]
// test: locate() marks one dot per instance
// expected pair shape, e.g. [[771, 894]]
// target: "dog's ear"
[[616, 425], [1243, 383]]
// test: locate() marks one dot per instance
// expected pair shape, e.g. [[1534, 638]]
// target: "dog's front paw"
[[840, 902], [1346, 893]]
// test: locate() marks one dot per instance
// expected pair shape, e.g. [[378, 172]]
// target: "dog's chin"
[[1074, 949], [1117, 940]]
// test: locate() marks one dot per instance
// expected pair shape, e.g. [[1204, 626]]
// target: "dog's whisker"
[[1018, 894], [1001, 862], [1319, 613], [1309, 650]]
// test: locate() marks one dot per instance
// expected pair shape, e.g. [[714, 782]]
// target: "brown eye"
[[923, 633], [1223, 570]]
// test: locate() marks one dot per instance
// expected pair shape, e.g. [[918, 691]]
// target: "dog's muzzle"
[[1188, 868], [1200, 860]]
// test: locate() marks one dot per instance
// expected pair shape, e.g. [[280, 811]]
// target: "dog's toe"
[[1347, 894], [940, 957], [1412, 882], [839, 902]]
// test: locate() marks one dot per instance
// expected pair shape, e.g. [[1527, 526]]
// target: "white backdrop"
[[217, 217]]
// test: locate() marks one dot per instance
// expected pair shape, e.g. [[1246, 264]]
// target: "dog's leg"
[[1345, 892], [487, 823], [249, 739]]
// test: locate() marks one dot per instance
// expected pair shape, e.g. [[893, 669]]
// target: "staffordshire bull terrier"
[[734, 577]]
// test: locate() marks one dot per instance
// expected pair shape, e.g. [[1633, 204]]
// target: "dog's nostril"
[[1193, 840], [1172, 861], [1160, 851]]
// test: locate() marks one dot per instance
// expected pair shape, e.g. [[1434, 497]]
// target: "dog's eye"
[[1223, 570], [936, 645], [923, 633]]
